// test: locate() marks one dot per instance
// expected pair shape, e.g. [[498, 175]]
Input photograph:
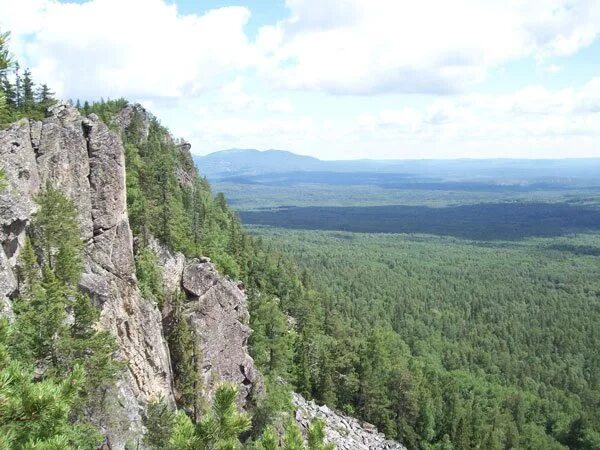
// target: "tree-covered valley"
[[455, 314]]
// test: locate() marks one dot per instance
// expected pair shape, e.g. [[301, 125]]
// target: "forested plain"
[[441, 340], [453, 314]]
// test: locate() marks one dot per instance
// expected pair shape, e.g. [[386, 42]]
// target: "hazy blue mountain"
[[251, 162], [247, 166]]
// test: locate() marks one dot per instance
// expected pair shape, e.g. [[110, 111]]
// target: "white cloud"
[[365, 47], [524, 122], [280, 105], [134, 48]]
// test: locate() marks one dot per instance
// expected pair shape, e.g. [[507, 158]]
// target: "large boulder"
[[216, 309]]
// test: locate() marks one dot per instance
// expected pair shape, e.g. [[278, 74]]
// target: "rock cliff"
[[216, 309], [85, 159]]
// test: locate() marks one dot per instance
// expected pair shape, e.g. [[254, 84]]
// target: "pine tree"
[[10, 95], [316, 436], [292, 438], [4, 111], [5, 62], [44, 97], [268, 441], [27, 92], [56, 222], [37, 414], [28, 269], [18, 97], [271, 340], [219, 429], [160, 423], [184, 359], [5, 59]]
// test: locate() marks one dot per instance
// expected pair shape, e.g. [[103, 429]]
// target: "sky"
[[335, 79]]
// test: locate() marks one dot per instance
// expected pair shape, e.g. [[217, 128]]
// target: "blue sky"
[[336, 79]]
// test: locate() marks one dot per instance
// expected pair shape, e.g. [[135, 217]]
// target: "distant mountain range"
[[255, 164]]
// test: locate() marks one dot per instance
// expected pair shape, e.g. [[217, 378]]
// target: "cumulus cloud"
[[375, 46], [134, 48], [530, 113]]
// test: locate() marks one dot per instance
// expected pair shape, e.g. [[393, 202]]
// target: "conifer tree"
[[10, 96], [4, 111], [5, 59], [37, 414], [184, 359], [27, 92], [292, 438], [219, 429], [5, 85], [44, 97], [56, 223], [316, 436]]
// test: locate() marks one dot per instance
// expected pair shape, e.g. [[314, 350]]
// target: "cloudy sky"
[[336, 79]]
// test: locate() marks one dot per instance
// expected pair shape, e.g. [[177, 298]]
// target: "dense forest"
[[447, 343], [483, 221]]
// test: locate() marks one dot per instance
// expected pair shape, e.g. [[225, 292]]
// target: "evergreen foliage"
[[414, 342], [37, 413], [219, 429], [184, 360], [19, 96], [47, 411], [149, 276], [160, 423]]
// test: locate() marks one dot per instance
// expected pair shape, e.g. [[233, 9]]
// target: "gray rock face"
[[137, 115], [216, 309], [17, 158], [346, 433], [84, 159]]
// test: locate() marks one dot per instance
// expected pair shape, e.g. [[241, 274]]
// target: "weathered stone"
[[85, 160], [8, 285], [17, 205], [216, 309], [343, 431], [136, 115], [63, 163], [219, 320]]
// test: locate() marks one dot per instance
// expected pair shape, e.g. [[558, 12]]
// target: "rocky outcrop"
[[135, 120], [216, 309], [84, 159], [346, 433]]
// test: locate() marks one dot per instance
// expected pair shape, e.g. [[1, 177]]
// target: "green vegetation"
[[168, 200], [257, 196], [220, 428], [52, 370], [484, 221], [19, 96], [441, 340]]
